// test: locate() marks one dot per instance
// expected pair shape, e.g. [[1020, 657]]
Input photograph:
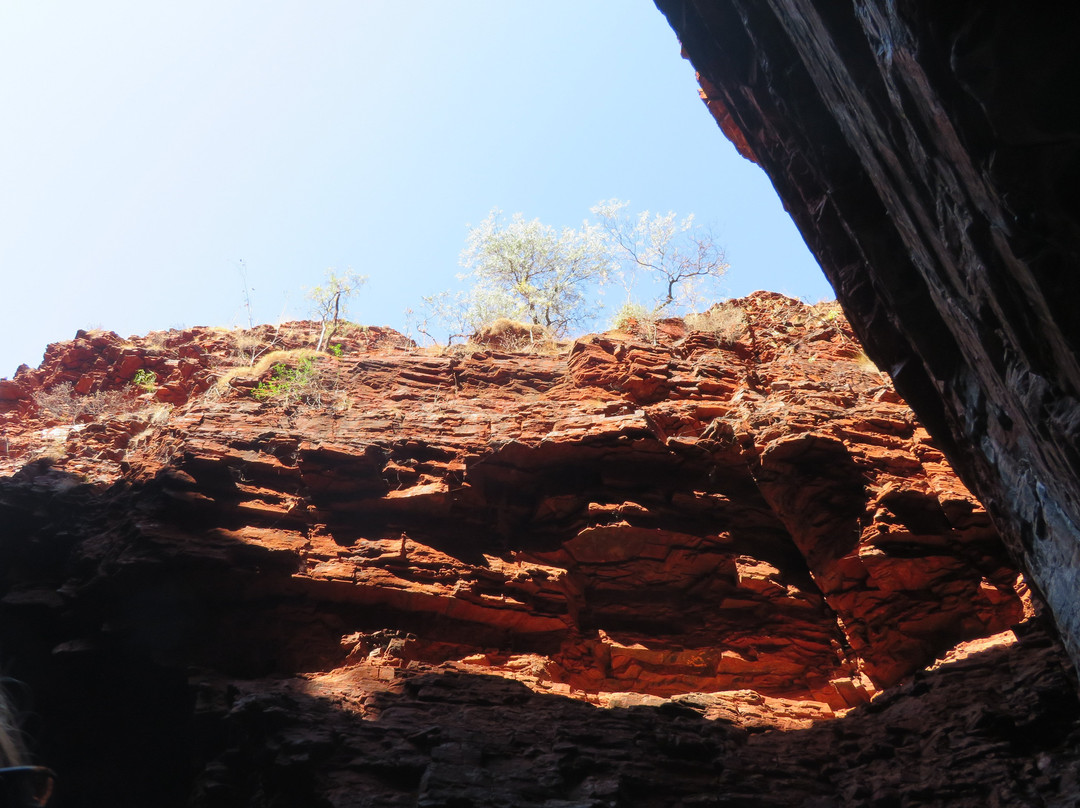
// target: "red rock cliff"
[[592, 576]]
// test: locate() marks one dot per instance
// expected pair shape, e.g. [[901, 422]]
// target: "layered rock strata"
[[699, 535], [928, 153]]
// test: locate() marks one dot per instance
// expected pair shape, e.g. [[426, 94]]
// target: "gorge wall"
[[930, 155], [676, 567]]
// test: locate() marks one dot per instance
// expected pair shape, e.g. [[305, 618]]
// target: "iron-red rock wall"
[[641, 569], [930, 154]]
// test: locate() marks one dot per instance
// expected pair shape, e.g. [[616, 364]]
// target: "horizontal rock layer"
[[743, 526]]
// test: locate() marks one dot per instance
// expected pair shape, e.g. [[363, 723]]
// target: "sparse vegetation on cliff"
[[725, 322], [62, 404], [330, 299], [260, 368], [145, 380], [635, 318], [505, 334], [288, 384], [660, 251], [529, 272]]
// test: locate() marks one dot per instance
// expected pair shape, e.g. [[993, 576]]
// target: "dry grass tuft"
[[726, 322], [509, 335], [250, 344], [865, 363], [61, 403], [156, 340], [827, 310]]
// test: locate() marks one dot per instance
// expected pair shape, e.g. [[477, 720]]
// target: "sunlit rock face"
[[653, 567], [930, 153]]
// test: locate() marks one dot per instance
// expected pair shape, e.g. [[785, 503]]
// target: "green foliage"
[[145, 380], [288, 385], [336, 350]]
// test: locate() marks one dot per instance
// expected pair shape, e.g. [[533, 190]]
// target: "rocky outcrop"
[[928, 154], [594, 575]]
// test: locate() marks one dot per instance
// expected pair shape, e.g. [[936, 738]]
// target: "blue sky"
[[150, 148]]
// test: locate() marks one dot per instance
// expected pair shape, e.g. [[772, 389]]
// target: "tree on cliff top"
[[531, 272], [329, 300], [677, 257]]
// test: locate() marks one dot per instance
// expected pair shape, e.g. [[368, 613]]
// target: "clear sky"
[[148, 148]]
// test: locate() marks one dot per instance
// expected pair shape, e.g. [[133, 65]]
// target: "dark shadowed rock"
[[930, 153]]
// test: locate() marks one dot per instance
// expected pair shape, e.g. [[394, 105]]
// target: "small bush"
[[63, 404], [58, 401], [635, 319], [145, 380], [157, 340], [458, 349], [288, 385]]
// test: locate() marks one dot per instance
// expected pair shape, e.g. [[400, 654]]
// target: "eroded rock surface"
[[493, 578], [453, 738]]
